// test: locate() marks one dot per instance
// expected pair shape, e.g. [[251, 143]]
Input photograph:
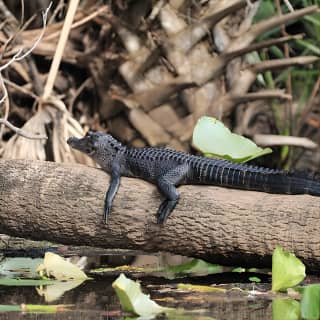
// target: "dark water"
[[96, 299]]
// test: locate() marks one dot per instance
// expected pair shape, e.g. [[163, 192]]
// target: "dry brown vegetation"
[[143, 70]]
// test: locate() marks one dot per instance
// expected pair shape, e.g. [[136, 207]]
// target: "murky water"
[[96, 299], [234, 296]]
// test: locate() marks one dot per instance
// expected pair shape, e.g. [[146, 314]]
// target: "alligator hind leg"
[[167, 186]]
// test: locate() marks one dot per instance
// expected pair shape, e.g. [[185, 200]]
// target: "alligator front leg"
[[167, 186], [112, 191]]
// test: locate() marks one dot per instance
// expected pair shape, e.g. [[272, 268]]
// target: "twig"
[[22, 132], [289, 5], [18, 56], [266, 140], [73, 5], [78, 23], [308, 106], [289, 106], [84, 84], [21, 89], [3, 89]]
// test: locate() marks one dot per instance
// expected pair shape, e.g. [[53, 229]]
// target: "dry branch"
[[21, 132], [64, 203], [266, 140], [21, 54]]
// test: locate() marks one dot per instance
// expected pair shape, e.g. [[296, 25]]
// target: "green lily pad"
[[194, 267], [34, 308], [287, 270], [133, 300], [254, 279], [212, 138], [310, 302], [288, 309], [19, 267], [57, 267], [24, 282], [200, 288], [9, 308]]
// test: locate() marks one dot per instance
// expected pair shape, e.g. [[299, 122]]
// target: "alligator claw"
[[106, 214], [165, 209]]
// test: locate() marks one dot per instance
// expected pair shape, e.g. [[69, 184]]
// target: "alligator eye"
[[90, 151]]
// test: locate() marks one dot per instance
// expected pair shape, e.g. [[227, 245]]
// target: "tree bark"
[[64, 203]]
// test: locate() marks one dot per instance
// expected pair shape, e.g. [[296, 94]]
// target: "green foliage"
[[287, 270], [57, 267], [254, 279], [195, 266], [230, 147], [302, 78], [310, 303], [284, 308], [133, 300], [24, 282]]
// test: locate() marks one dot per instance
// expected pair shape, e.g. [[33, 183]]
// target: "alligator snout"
[[72, 141]]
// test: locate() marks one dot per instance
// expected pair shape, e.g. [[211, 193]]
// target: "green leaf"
[[34, 308], [310, 302], [57, 267], [196, 267], [254, 279], [287, 270], [9, 307], [133, 300], [310, 46], [213, 139], [20, 267], [266, 10], [24, 282], [239, 270], [200, 288], [287, 309]]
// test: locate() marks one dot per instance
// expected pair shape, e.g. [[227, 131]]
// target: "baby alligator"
[[168, 169]]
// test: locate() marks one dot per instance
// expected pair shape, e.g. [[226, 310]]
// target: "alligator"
[[167, 169]]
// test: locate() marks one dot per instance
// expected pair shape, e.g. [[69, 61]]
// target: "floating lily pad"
[[254, 279], [212, 138], [287, 270], [57, 267], [200, 288], [287, 309], [133, 300], [194, 267], [19, 267], [24, 282], [34, 308], [310, 302]]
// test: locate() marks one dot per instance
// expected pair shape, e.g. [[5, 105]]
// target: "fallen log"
[[64, 203]]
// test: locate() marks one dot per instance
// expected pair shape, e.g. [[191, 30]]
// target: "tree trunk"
[[64, 203]]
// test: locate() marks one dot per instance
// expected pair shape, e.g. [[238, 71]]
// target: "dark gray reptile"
[[169, 168]]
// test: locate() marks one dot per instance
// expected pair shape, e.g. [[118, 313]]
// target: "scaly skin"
[[168, 169]]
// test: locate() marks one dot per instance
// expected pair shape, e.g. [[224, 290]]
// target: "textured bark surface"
[[64, 203]]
